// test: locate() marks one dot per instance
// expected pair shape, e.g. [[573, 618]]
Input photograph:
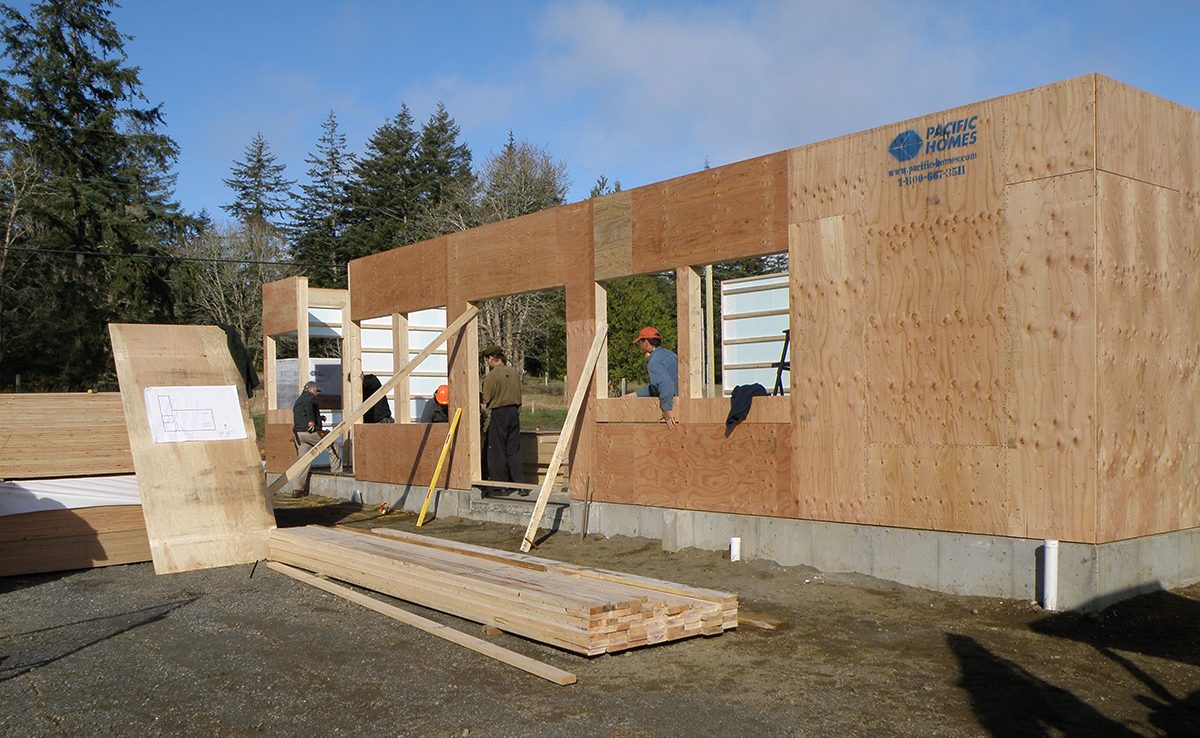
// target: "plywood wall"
[[965, 321], [401, 280]]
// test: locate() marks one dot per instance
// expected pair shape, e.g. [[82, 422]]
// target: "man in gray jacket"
[[307, 432]]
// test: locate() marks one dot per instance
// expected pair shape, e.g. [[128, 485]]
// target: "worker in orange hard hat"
[[663, 367], [441, 405]]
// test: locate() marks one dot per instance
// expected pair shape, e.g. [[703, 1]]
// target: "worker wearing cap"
[[663, 367], [501, 392], [306, 431]]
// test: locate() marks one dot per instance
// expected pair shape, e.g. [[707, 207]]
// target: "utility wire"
[[166, 257]]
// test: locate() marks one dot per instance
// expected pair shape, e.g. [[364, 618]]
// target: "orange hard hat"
[[647, 332], [442, 395]]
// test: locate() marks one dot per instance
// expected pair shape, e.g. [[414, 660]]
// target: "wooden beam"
[[348, 420], [564, 438], [491, 650]]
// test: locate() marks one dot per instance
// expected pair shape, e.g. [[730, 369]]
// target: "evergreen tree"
[[88, 173], [602, 187], [320, 218], [443, 164], [382, 191], [261, 194]]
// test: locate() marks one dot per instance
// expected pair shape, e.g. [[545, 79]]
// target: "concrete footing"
[[1090, 576]]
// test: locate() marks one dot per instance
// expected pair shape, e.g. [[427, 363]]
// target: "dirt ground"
[[245, 651]]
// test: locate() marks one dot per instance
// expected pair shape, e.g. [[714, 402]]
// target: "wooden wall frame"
[[972, 293]]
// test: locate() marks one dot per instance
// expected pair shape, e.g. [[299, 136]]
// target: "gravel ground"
[[245, 651]]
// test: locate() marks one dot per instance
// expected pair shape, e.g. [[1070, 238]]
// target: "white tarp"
[[32, 495]]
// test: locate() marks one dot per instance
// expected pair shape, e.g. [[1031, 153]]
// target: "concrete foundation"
[[1090, 576]]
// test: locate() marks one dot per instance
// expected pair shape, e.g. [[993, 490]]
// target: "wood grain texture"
[[613, 236], [1053, 328], [281, 301], [506, 258], [280, 449], [827, 179], [696, 467], [402, 453], [1148, 334], [79, 538], [1143, 136], [829, 368], [205, 502], [1051, 130], [462, 355], [402, 280], [63, 435], [710, 216]]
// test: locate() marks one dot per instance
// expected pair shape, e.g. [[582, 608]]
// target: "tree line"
[[92, 233]]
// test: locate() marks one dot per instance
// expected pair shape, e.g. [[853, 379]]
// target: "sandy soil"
[[244, 651]]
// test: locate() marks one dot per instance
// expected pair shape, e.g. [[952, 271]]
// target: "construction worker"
[[307, 432], [501, 395], [663, 367], [441, 405]]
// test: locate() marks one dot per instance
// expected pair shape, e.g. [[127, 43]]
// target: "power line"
[[166, 257]]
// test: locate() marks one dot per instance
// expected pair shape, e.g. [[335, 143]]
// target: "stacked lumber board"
[[63, 435], [66, 539], [576, 608], [537, 448]]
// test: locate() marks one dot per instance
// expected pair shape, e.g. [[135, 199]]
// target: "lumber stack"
[[63, 435], [537, 448], [66, 539], [579, 609]]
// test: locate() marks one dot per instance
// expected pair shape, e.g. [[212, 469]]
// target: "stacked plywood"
[[537, 448], [63, 435], [587, 611], [66, 539]]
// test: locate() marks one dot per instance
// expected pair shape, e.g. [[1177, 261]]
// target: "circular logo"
[[905, 146]]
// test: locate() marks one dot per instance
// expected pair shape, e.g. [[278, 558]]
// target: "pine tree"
[[80, 136], [382, 190], [443, 164], [261, 194], [320, 219], [602, 187]]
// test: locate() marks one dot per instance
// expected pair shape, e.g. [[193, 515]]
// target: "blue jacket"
[[663, 367]]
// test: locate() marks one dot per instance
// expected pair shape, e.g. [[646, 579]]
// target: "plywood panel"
[[695, 467], [613, 236], [730, 212], [1142, 136], [936, 333], [506, 258], [81, 538], [1053, 327], [950, 488], [828, 179], [954, 173], [63, 435], [1051, 130], [205, 502], [280, 449], [1149, 334], [400, 453], [281, 305], [462, 353], [402, 280], [829, 369]]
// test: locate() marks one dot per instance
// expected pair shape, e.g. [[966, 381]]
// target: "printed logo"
[[905, 146]]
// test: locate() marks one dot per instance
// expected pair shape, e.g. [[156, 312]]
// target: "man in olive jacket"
[[501, 391]]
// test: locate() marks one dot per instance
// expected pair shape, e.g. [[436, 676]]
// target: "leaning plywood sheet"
[[62, 435], [205, 501], [587, 611]]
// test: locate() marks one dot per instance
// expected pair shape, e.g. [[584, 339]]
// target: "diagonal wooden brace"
[[302, 463]]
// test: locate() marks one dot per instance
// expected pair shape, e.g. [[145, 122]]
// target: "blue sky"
[[638, 91]]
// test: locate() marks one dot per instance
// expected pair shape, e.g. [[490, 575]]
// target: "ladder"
[[783, 365]]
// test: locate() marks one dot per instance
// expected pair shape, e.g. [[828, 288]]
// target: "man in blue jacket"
[[663, 366]]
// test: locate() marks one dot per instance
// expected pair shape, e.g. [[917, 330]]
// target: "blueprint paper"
[[210, 413]]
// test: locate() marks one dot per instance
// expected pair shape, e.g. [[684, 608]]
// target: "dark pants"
[[504, 445]]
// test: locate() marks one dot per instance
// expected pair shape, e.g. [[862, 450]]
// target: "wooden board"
[[67, 539], [1051, 130], [205, 502], [400, 453], [1053, 328], [613, 236], [282, 302], [1142, 136], [583, 610], [696, 467], [1147, 374], [63, 435], [421, 267]]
